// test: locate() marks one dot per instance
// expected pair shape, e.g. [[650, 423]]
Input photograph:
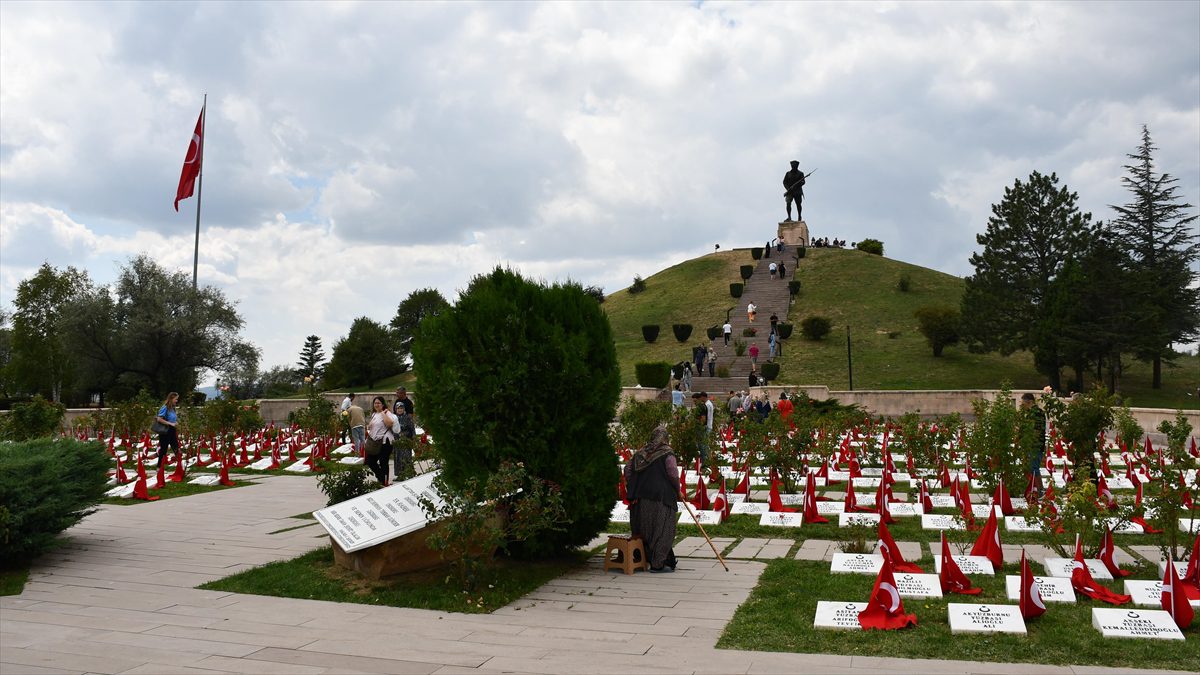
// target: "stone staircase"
[[770, 296]]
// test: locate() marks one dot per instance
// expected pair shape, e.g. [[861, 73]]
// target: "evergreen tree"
[[365, 356], [414, 309], [312, 358], [1007, 305], [1157, 230], [42, 359]]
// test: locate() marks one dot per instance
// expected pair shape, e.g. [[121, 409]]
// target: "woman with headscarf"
[[652, 478]]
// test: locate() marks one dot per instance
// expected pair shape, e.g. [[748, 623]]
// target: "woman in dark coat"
[[652, 477]]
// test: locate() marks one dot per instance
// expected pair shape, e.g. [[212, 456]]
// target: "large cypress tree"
[[524, 372], [1157, 228], [1009, 302]]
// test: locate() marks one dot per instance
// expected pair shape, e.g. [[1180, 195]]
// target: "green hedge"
[[747, 271], [872, 246], [756, 253], [713, 332], [770, 370], [682, 331], [656, 375], [46, 486], [34, 419], [650, 332], [735, 290], [794, 286], [784, 330], [801, 252]]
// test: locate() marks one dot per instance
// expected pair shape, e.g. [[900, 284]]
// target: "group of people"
[[742, 404], [376, 438], [825, 243], [778, 271]]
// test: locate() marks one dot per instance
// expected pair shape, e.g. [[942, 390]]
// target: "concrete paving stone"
[[114, 600], [332, 662], [746, 549], [404, 652], [234, 637], [15, 640], [1101, 670], [33, 616], [17, 658], [576, 634], [226, 664], [632, 601], [34, 670], [161, 669], [887, 664], [103, 613], [772, 552], [815, 549], [575, 645], [119, 651], [177, 643], [565, 664]]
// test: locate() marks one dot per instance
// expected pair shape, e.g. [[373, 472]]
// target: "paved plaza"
[[120, 597]]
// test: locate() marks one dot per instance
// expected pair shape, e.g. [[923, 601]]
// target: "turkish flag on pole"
[[191, 162], [885, 610], [891, 552], [1174, 599], [988, 542], [1031, 596], [951, 577]]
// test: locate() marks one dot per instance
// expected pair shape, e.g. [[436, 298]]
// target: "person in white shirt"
[[751, 310], [727, 329], [773, 269], [346, 403]]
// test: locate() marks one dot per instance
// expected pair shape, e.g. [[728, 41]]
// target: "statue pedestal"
[[793, 233]]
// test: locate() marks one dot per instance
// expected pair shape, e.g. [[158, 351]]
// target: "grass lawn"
[[173, 490], [12, 579], [315, 576], [778, 616], [858, 290]]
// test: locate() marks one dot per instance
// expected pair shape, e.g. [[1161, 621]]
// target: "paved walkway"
[[120, 598]]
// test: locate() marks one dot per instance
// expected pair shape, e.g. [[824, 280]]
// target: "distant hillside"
[[852, 289]]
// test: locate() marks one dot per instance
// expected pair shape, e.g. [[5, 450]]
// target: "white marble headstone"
[[1061, 567], [206, 479], [1021, 524], [781, 519], [830, 508], [705, 516], [1153, 624], [1126, 527], [940, 521], [838, 615], [905, 509], [848, 519], [969, 564], [351, 461], [748, 507], [912, 585], [1149, 593], [855, 563], [966, 618], [1180, 568], [1053, 589], [940, 501]]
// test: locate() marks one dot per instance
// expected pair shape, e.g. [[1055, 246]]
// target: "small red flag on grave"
[[926, 500], [700, 500], [850, 503], [891, 552], [1082, 581], [160, 478], [1031, 596], [951, 577], [1105, 495], [140, 491], [988, 542], [179, 474], [1002, 499], [721, 503], [225, 474], [811, 515], [1107, 550], [1175, 598], [881, 505], [885, 610], [121, 477]]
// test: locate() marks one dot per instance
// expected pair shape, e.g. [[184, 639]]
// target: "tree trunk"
[[1055, 380], [1157, 383], [1078, 383]]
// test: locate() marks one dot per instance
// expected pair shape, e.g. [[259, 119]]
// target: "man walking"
[[727, 330]]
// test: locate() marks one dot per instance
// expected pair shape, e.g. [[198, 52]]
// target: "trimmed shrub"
[[739, 347], [638, 285], [713, 332], [801, 252], [873, 246], [770, 370], [35, 419], [499, 374], [736, 289], [939, 325], [749, 331], [46, 486], [747, 271], [650, 332], [794, 286], [722, 371], [682, 331], [904, 284], [815, 327], [756, 253], [340, 482], [784, 330], [656, 374]]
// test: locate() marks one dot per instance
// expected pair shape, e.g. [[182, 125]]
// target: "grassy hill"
[[858, 290]]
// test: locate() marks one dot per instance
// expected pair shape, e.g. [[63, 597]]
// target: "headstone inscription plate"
[[838, 615], [1053, 589], [966, 618], [1153, 624], [855, 563], [379, 516]]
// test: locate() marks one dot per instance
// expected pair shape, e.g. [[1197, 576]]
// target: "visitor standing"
[[346, 402], [712, 361], [782, 272], [771, 340], [358, 427], [379, 439], [727, 330], [1033, 438], [774, 322], [403, 409], [652, 480], [686, 380], [169, 437], [734, 403], [676, 397]]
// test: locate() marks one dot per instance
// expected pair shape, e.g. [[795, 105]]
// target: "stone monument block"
[[794, 233]]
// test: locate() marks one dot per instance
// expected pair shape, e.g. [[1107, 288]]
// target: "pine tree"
[[1008, 303], [1157, 230], [312, 357]]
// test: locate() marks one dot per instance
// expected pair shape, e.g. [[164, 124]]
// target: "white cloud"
[[354, 147]]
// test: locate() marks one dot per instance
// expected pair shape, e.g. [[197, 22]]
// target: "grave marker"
[[1061, 567], [969, 564], [1152, 624], [1053, 589], [379, 516], [749, 507], [918, 585], [855, 563], [985, 618], [940, 521], [848, 519], [781, 519], [838, 615]]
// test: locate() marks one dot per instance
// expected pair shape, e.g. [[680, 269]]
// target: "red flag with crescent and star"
[[191, 163], [885, 610]]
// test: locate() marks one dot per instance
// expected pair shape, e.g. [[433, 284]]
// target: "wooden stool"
[[628, 547]]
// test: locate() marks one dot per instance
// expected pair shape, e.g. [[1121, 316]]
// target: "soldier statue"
[[793, 183]]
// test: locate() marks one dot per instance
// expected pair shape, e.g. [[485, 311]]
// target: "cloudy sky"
[[358, 151]]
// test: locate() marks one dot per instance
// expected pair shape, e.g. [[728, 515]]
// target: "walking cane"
[[696, 520]]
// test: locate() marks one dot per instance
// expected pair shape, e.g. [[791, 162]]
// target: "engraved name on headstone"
[[1153, 624], [1053, 589], [855, 563], [966, 618], [838, 615]]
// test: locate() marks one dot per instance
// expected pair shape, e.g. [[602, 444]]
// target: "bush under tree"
[[815, 327], [500, 375], [939, 325], [872, 246]]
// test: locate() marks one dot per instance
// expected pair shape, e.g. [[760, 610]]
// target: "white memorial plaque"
[[262, 464], [351, 461], [781, 519], [122, 491], [803, 481], [838, 615], [705, 516], [791, 499], [1019, 503], [838, 476], [206, 479], [735, 499], [379, 516], [344, 449], [1021, 524], [985, 510], [866, 482], [985, 618], [969, 564], [307, 449], [855, 563], [864, 500], [848, 519], [918, 585], [941, 521], [1053, 589], [1149, 593], [831, 508], [1189, 525], [619, 507], [1180, 568], [1120, 483], [940, 501], [1153, 624], [300, 467], [1061, 567], [620, 517], [905, 509], [748, 507], [873, 472]]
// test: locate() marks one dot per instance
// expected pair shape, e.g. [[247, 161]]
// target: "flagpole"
[[200, 189]]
